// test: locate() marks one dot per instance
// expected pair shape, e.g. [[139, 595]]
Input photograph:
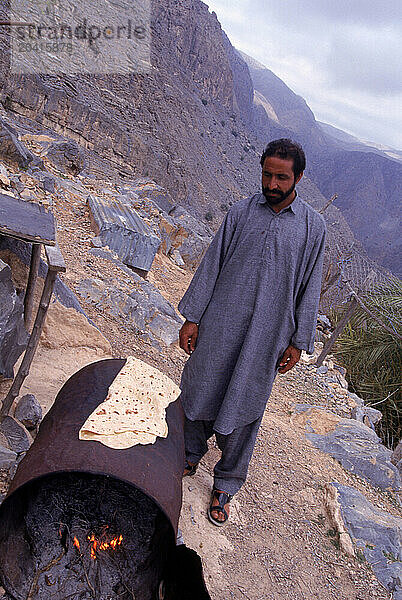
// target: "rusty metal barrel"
[[154, 469]]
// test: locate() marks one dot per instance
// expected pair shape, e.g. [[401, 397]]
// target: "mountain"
[[366, 179], [197, 124], [350, 142]]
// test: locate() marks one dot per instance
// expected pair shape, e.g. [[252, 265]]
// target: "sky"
[[342, 56]]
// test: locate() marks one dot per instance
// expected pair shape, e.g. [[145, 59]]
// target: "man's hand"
[[290, 357], [188, 336]]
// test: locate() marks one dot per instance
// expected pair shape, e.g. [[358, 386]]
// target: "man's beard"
[[277, 196]]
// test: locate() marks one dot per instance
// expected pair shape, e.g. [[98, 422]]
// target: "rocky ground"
[[280, 541]]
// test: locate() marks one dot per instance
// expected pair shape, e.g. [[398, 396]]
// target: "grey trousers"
[[230, 471]]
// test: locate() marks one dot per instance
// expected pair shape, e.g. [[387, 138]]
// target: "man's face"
[[278, 179]]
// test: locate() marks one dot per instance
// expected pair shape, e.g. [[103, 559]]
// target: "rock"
[[175, 256], [341, 370], [144, 306], [342, 381], [322, 370], [7, 458], [356, 400], [12, 152], [172, 233], [397, 454], [3, 441], [47, 181], [148, 189], [4, 178], [199, 237], [13, 335], [67, 156], [333, 509], [18, 437], [27, 195], [123, 231], [28, 411], [377, 534], [365, 414], [359, 450], [96, 242], [324, 321], [165, 329]]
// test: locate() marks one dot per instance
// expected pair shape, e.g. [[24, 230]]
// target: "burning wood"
[[89, 534]]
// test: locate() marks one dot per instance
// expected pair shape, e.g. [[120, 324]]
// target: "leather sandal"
[[192, 469], [223, 499]]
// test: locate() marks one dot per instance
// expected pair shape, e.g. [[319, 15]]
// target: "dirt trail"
[[279, 543]]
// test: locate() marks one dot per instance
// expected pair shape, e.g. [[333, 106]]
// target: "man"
[[250, 310]]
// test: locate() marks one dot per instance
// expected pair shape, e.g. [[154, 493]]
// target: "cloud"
[[338, 55], [358, 61]]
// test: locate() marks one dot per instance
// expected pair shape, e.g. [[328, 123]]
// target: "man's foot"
[[190, 469], [218, 511]]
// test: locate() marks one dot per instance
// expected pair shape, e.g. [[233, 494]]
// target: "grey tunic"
[[255, 292]]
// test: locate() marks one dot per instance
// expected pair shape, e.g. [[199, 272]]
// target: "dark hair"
[[285, 148]]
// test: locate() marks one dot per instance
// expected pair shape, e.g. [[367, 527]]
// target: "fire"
[[99, 545]]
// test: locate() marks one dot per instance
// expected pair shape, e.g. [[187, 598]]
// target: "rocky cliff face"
[[194, 124], [180, 124]]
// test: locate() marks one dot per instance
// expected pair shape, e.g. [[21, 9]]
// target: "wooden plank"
[[27, 221], [338, 329], [33, 342], [55, 259], [32, 277]]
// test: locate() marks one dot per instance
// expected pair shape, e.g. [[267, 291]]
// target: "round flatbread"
[[120, 441], [135, 404]]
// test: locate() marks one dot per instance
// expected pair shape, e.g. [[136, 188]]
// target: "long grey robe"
[[255, 292]]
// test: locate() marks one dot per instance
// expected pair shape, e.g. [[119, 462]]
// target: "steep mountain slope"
[[180, 124], [190, 124]]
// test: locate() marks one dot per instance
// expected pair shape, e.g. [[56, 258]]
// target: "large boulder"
[[138, 302], [12, 152], [66, 156], [120, 228], [353, 444], [13, 335], [199, 236], [28, 411]]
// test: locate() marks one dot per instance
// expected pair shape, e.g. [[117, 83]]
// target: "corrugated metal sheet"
[[123, 230]]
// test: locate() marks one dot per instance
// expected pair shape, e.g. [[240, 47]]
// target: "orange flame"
[[96, 545], [76, 543]]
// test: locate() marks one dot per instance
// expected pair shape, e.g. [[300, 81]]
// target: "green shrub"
[[373, 356]]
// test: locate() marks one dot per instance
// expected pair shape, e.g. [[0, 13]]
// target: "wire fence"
[[347, 273]]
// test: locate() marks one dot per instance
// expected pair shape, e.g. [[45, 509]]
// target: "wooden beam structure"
[[55, 266], [337, 331], [33, 223]]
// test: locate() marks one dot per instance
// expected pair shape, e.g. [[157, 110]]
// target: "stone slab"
[[377, 534]]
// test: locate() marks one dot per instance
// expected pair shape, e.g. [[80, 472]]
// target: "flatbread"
[[120, 441], [134, 409]]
